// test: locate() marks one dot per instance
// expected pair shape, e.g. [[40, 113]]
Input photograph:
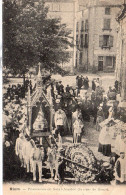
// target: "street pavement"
[[107, 79]]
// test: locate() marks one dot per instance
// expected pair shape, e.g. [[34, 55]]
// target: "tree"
[[31, 37]]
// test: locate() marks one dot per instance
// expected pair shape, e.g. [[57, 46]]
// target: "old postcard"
[[64, 97]]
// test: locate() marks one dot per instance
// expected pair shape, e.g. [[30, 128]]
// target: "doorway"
[[109, 61], [100, 63]]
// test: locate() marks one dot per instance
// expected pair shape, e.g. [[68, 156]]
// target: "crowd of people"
[[88, 103], [73, 107], [32, 154], [17, 92], [82, 104]]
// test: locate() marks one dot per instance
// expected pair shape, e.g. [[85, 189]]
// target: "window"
[[77, 26], [86, 41], [86, 25], [107, 11], [105, 41], [81, 40], [106, 24], [77, 41], [110, 61], [82, 26], [76, 59], [80, 60]]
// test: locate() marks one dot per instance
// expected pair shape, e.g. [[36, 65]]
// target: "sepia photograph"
[[64, 96]]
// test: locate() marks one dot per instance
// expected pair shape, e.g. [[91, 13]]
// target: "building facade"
[[120, 70], [97, 44], [93, 30]]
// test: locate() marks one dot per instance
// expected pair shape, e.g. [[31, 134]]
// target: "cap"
[[100, 108], [122, 152], [39, 145], [57, 100], [106, 164], [36, 142]]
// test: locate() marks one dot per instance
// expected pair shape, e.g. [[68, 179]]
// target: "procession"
[[39, 120], [64, 92]]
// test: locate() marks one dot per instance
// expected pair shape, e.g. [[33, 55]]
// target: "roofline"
[[107, 5]]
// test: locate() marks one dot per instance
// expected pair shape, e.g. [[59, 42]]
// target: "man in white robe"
[[19, 148], [37, 155], [60, 121]]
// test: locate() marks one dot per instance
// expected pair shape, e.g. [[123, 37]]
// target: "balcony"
[[106, 47], [107, 29]]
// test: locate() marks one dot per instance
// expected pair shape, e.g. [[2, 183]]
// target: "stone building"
[[82, 41], [93, 30], [120, 70], [97, 41]]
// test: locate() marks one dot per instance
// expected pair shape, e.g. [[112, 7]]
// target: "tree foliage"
[[30, 36]]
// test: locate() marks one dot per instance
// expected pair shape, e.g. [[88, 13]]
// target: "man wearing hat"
[[67, 88], [60, 165], [61, 88], [51, 153], [37, 156], [120, 169]]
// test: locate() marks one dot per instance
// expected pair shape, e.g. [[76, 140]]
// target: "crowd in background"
[[92, 102]]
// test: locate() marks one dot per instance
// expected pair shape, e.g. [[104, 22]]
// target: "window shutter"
[[82, 25], [77, 26], [111, 41], [77, 42], [86, 25], [100, 40], [81, 40], [86, 41]]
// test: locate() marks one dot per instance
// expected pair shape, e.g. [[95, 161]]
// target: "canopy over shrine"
[[39, 110]]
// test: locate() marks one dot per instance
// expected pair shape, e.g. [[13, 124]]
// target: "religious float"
[[39, 112]]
